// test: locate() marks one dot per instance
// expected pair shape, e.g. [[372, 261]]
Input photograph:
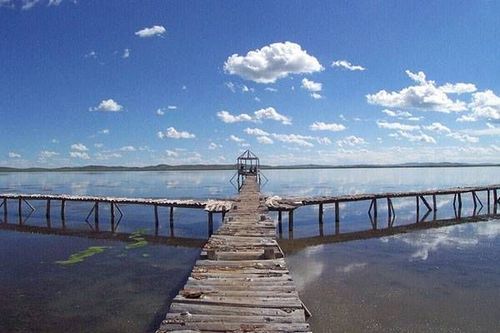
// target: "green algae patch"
[[137, 239], [82, 255]]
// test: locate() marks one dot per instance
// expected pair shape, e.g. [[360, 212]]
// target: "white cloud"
[[28, 4], [44, 154], [236, 139], [104, 131], [311, 86], [466, 118], [80, 155], [271, 89], [485, 104], [98, 145], [272, 62], [425, 96], [54, 2], [126, 53], [79, 147], [172, 107], [172, 133], [347, 65], [156, 30], [127, 148], [458, 88], [316, 96], [103, 156], [256, 132], [463, 137], [489, 131], [271, 113], [324, 141], [397, 126], [107, 105], [213, 146], [160, 112], [397, 113], [14, 155], [351, 140], [171, 153], [230, 86], [422, 137], [265, 140], [267, 113], [228, 118], [91, 54], [321, 126], [438, 127]]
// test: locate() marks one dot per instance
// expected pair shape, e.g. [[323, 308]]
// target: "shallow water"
[[427, 280]]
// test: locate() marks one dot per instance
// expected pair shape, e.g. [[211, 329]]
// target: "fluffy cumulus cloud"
[[229, 118], [172, 133], [351, 140], [259, 115], [321, 126], [313, 87], [444, 130], [301, 140], [484, 104], [344, 64], [127, 148], [80, 155], [46, 154], [425, 95], [12, 154], [438, 127], [236, 139], [256, 132], [272, 62], [156, 30], [420, 137], [107, 105], [397, 126], [79, 147]]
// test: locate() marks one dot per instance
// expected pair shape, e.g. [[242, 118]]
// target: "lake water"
[[440, 279]]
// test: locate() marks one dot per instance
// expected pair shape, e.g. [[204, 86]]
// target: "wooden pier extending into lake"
[[241, 282]]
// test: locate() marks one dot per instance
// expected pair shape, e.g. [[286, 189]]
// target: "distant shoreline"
[[203, 167]]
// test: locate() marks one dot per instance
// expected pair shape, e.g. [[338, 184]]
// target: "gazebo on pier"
[[248, 164]]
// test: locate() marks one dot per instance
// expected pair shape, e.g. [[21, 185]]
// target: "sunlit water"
[[440, 279]]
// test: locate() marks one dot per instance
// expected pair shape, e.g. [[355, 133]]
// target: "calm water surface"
[[444, 279]]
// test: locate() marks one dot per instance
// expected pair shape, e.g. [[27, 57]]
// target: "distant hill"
[[201, 167]]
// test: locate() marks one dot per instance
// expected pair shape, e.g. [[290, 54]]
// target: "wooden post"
[[157, 220], [5, 210], [488, 199], [112, 208], [279, 216], [210, 223], [459, 196], [290, 220], [280, 224], [389, 212], [171, 218], [47, 211], [495, 201], [20, 211], [375, 214], [96, 215], [475, 201], [63, 203], [418, 209], [337, 212], [320, 213], [434, 205]]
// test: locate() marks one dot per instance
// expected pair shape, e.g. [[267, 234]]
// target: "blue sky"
[[333, 82]]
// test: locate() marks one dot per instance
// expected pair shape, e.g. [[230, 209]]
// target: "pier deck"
[[241, 282]]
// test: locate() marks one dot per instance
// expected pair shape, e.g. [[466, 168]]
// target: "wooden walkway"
[[241, 282]]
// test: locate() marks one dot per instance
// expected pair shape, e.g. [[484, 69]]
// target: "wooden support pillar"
[[210, 223], [112, 210], [459, 197], [375, 214], [337, 212], [474, 201], [20, 210], [63, 204], [418, 209], [96, 216], [279, 217], [434, 204], [47, 211], [320, 213], [280, 224], [389, 212], [290, 220], [5, 210], [488, 201], [171, 220], [495, 201], [157, 220]]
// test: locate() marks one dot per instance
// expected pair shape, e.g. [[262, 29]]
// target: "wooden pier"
[[241, 282]]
